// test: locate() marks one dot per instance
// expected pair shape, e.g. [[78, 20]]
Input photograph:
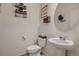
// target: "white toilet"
[[34, 50]]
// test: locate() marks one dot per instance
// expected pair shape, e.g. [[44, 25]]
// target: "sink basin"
[[65, 44]]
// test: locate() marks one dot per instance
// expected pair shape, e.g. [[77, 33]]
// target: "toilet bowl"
[[35, 50]]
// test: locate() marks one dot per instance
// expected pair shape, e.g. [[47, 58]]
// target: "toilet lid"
[[33, 47]]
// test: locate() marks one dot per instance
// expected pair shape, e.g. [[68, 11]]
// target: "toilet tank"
[[42, 42]]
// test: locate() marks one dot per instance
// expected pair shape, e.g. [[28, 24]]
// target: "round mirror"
[[66, 16]]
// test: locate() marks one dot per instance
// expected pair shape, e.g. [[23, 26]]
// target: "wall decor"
[[61, 18], [44, 14], [20, 10], [46, 19]]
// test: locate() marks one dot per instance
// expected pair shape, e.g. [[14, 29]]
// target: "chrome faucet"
[[62, 37]]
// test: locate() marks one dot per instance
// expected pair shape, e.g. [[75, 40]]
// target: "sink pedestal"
[[66, 52]]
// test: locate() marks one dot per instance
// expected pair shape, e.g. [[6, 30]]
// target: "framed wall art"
[[20, 10]]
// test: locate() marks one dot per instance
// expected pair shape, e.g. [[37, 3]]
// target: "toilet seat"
[[33, 48]]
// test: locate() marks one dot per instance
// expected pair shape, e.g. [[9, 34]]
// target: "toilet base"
[[35, 54]]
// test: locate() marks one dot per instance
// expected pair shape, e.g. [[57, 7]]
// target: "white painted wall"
[[13, 28], [50, 29]]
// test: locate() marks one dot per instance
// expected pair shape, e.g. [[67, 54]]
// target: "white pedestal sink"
[[63, 44]]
